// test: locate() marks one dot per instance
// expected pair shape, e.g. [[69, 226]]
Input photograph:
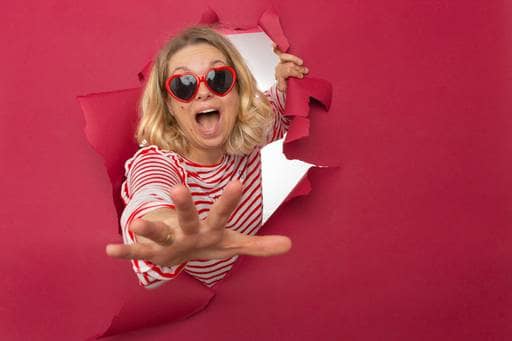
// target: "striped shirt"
[[152, 172]]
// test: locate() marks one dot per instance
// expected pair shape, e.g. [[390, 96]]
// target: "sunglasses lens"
[[220, 81], [183, 87]]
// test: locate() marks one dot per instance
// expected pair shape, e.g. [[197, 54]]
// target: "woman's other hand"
[[170, 237], [289, 66]]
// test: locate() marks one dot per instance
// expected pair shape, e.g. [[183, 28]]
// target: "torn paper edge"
[[299, 91]]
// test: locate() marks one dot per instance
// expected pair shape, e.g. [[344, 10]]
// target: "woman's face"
[[206, 133]]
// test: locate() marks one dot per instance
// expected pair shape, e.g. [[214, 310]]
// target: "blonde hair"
[[158, 127]]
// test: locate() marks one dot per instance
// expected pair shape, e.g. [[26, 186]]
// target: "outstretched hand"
[[289, 66], [170, 237]]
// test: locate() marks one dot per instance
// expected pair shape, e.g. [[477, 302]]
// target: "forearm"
[[149, 274], [277, 100]]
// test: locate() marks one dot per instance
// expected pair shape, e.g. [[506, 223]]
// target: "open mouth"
[[208, 121]]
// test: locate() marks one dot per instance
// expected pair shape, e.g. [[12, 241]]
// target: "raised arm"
[[289, 66]]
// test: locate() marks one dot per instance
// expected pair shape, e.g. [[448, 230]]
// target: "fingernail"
[[108, 249]]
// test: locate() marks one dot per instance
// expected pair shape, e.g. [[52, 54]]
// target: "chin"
[[214, 143]]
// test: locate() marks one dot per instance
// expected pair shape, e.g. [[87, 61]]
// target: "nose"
[[203, 92]]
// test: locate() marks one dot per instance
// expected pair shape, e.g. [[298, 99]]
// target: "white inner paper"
[[279, 175]]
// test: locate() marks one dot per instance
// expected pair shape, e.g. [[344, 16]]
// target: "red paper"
[[103, 111], [170, 303], [111, 119], [209, 17], [409, 240], [269, 22]]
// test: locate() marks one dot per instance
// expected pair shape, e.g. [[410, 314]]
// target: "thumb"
[[157, 231], [276, 49]]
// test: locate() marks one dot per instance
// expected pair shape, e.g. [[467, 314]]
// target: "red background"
[[408, 240]]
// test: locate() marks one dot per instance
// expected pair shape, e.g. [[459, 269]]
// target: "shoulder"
[[149, 168], [151, 155]]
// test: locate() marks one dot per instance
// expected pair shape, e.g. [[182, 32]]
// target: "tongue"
[[208, 121]]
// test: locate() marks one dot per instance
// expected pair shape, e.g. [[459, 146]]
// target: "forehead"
[[196, 58]]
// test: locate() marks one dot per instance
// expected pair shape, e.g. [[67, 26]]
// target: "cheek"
[[178, 110], [234, 105]]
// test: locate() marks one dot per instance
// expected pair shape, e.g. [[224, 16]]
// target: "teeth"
[[207, 111]]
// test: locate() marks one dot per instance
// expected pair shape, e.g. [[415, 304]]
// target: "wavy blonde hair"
[[158, 127]]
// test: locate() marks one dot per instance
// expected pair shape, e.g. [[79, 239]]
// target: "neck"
[[205, 157]]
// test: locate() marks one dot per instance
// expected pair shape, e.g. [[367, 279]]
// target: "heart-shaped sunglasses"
[[184, 87]]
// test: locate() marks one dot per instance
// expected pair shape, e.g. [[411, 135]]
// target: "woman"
[[193, 193]]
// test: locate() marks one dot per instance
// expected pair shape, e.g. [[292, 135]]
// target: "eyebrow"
[[184, 68]]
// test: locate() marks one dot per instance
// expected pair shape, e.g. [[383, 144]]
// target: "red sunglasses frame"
[[199, 80]]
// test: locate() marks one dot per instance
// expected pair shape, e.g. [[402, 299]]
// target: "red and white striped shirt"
[[152, 172]]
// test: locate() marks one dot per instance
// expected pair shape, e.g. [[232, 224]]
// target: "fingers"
[[185, 209], [285, 71], [292, 70], [289, 66], [221, 210], [158, 232], [134, 251], [286, 57], [264, 246]]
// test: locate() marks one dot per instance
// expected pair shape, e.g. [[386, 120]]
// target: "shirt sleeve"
[[150, 175], [277, 100]]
